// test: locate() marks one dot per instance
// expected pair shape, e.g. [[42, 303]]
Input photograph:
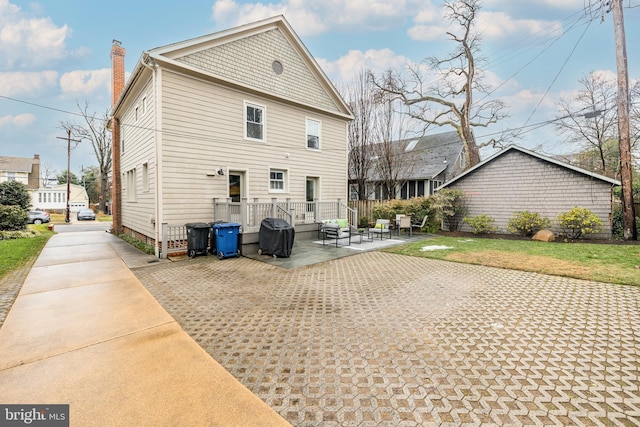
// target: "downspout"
[[151, 65]]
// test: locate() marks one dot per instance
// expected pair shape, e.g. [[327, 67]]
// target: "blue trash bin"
[[227, 239]]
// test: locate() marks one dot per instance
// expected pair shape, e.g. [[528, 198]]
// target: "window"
[[313, 134], [121, 139], [131, 185], [144, 105], [277, 180], [11, 176], [255, 122], [145, 176], [137, 108]]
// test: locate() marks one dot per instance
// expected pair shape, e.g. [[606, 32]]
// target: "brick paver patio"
[[379, 339]]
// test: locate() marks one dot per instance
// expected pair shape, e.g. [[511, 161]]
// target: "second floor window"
[[254, 122], [313, 134]]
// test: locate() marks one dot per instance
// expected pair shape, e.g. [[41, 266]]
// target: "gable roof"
[[532, 154], [243, 57], [437, 152], [17, 164], [431, 155]]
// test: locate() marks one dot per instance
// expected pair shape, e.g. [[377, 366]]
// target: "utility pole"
[[68, 138], [628, 214]]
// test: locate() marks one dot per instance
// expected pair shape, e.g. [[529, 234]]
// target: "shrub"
[[579, 222], [417, 207], [450, 206], [363, 222], [14, 193], [13, 218], [527, 223], [138, 244], [617, 223], [481, 224]]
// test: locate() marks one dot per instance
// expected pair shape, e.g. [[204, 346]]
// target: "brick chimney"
[[117, 85], [117, 70]]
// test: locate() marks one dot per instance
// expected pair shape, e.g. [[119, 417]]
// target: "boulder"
[[544, 236]]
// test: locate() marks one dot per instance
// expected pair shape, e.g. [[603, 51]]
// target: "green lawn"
[[15, 253], [590, 261]]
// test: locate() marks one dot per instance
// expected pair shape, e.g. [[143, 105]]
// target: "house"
[[21, 169], [244, 115], [516, 179], [55, 198], [421, 165]]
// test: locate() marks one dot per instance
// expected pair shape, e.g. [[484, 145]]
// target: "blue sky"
[[54, 53]]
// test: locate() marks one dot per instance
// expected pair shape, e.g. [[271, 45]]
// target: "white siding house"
[[243, 114], [55, 198]]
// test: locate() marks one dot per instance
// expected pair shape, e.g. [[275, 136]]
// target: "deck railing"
[[249, 214]]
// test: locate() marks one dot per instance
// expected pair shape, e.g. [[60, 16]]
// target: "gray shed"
[[516, 179]]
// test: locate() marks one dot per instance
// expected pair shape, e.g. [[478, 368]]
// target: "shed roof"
[[533, 154]]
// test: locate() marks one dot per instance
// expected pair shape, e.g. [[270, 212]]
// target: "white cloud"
[[27, 83], [84, 82], [499, 25], [318, 17], [27, 41], [21, 120], [348, 66]]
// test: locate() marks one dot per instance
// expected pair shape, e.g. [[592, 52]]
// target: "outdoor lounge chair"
[[419, 226], [382, 227]]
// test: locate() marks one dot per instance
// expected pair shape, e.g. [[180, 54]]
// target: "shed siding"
[[203, 131], [516, 182]]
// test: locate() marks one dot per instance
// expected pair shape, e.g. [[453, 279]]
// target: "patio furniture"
[[404, 222], [382, 227], [333, 231], [419, 226]]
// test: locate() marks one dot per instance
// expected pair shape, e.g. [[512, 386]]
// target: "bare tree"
[[589, 119], [449, 101], [47, 175], [360, 97], [393, 163], [94, 130]]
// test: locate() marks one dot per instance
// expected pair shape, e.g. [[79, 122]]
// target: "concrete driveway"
[[378, 339]]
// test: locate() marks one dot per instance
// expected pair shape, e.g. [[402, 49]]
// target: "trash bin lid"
[[226, 225], [197, 225]]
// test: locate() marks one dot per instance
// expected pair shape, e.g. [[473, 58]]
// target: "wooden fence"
[[365, 207]]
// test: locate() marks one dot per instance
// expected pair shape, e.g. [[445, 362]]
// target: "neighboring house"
[[242, 114], [21, 169], [516, 179], [55, 198], [422, 165]]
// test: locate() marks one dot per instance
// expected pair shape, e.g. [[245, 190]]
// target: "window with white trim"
[[145, 177], [313, 134], [277, 180], [131, 185], [254, 122]]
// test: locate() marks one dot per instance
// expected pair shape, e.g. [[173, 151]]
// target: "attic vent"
[[411, 145], [277, 67]]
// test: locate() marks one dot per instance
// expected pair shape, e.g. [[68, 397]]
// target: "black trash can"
[[276, 237], [197, 238]]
